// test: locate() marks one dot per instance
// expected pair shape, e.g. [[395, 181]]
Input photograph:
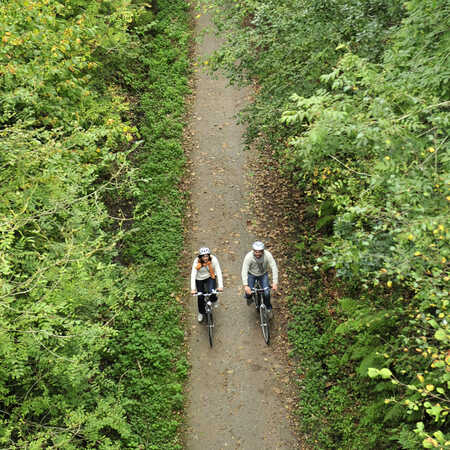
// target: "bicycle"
[[209, 313], [257, 294]]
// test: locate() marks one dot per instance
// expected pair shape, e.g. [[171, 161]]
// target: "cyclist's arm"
[[245, 266], [193, 275], [218, 272], [273, 266]]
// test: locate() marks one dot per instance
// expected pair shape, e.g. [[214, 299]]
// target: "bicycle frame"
[[209, 313], [257, 293]]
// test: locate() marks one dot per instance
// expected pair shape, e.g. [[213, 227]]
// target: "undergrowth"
[[92, 108]]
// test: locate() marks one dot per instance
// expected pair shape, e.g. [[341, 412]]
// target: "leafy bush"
[[91, 343], [285, 46], [391, 206]]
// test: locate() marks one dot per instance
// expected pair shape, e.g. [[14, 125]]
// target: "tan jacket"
[[259, 266]]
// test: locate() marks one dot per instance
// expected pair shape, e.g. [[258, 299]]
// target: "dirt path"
[[237, 394]]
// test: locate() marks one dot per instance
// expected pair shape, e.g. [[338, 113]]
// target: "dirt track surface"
[[239, 394]]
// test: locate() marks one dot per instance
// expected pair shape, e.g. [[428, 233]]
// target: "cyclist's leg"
[[264, 280], [211, 286], [201, 287]]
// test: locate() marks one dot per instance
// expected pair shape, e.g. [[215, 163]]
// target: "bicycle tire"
[[210, 328], [258, 301], [257, 295], [264, 322]]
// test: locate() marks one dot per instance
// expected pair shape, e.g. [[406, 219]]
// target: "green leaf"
[[420, 426], [372, 372], [439, 435], [385, 373], [440, 335]]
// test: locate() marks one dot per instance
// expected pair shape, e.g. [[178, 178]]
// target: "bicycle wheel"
[[264, 323], [210, 327], [258, 301]]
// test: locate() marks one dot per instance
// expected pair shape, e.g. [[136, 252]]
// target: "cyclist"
[[205, 275], [255, 267]]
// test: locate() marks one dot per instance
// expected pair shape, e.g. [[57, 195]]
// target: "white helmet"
[[258, 245], [204, 251]]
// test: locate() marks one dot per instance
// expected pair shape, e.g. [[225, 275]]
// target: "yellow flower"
[[431, 149], [420, 377], [389, 284]]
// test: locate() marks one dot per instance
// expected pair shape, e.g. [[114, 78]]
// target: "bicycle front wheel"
[[210, 328], [258, 301], [264, 320]]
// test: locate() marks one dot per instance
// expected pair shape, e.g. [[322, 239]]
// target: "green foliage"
[[91, 348], [392, 208], [286, 45], [353, 96]]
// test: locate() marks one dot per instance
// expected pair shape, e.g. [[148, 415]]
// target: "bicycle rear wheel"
[[264, 321], [210, 328]]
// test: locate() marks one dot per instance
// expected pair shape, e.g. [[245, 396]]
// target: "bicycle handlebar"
[[261, 290], [207, 294]]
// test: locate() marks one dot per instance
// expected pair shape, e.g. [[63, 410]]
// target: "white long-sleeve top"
[[203, 272], [259, 266]]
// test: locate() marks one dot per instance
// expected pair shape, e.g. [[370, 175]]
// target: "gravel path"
[[238, 393]]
